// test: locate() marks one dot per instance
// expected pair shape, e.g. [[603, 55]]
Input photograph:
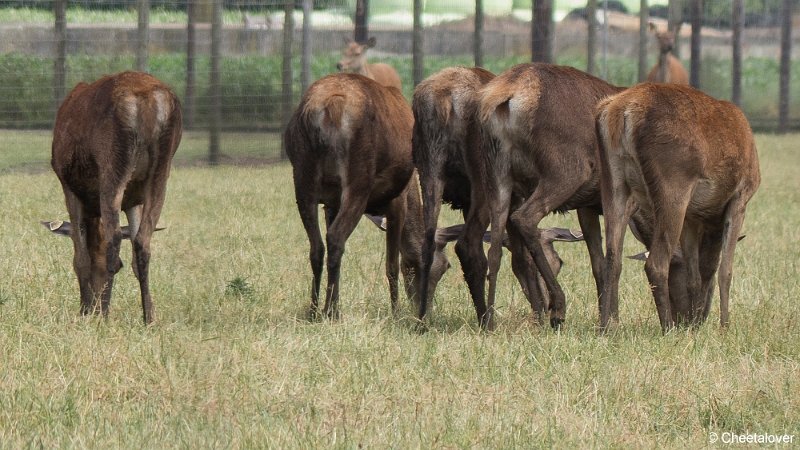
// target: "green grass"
[[231, 363], [30, 149], [93, 16]]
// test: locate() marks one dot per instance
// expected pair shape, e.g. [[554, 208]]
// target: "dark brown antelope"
[[445, 125], [668, 69], [349, 142], [542, 117], [354, 60], [113, 143], [689, 164]]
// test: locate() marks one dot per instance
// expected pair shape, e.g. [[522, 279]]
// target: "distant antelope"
[[113, 143], [668, 69], [688, 162], [354, 60], [349, 142]]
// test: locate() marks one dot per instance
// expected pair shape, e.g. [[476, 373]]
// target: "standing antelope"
[[354, 60], [690, 165], [542, 117], [113, 143], [445, 125], [668, 69], [349, 142]]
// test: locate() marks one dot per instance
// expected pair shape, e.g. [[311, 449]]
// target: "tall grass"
[[239, 367]]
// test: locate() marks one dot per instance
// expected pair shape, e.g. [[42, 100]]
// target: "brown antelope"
[[113, 143], [354, 60], [545, 160], [445, 124], [688, 162], [349, 142], [668, 69]]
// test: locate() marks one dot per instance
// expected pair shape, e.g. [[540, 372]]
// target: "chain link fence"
[[240, 66]]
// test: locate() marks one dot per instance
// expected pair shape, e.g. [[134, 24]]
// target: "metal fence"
[[241, 66]]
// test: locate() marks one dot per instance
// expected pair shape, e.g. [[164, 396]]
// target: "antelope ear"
[[58, 227], [562, 235], [370, 42]]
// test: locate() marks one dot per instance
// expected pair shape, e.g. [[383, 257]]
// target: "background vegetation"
[[231, 363], [252, 84]]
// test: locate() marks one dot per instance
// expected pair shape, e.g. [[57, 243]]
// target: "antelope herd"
[[674, 164]]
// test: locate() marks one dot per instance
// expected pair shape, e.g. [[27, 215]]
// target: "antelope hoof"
[[313, 315], [557, 323], [487, 321]]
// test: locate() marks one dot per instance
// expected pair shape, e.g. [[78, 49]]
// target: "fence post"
[[286, 82], [737, 23], [60, 62], [785, 66], [542, 31], [143, 35], [191, 49], [591, 36], [362, 12], [644, 18], [477, 43], [417, 46], [215, 84], [696, 45], [305, 74]]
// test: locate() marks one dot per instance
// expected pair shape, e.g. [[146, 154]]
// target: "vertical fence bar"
[[591, 36], [696, 42], [60, 60], [215, 87], [644, 19], [361, 32], [785, 66], [286, 78], [143, 35], [737, 23], [477, 43], [542, 31], [305, 58], [191, 50], [417, 46]]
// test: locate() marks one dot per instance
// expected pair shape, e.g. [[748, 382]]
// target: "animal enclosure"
[[255, 80]]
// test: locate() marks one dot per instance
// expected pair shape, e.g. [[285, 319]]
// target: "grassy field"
[[231, 363]]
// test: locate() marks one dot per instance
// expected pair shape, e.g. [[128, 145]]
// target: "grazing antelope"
[[113, 143], [445, 124], [542, 117], [349, 142], [668, 69], [354, 60], [688, 162]]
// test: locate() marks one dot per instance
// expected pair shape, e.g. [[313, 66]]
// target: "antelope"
[[349, 142], [668, 69], [354, 60], [444, 108], [113, 143], [545, 160], [689, 163]]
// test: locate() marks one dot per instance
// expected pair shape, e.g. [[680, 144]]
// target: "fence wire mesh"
[[43, 56]]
